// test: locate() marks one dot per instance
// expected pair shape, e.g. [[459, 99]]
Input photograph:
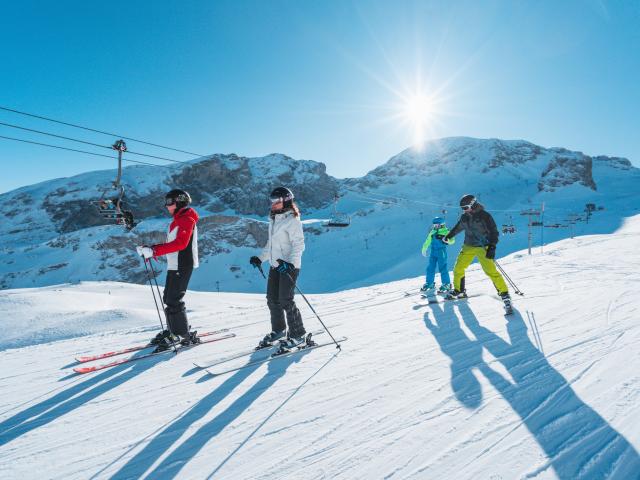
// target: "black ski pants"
[[280, 290], [175, 288]]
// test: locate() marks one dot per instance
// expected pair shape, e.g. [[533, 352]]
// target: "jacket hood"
[[187, 212]]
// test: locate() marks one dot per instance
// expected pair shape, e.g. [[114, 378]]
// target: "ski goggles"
[[275, 200], [169, 201], [438, 226], [469, 206]]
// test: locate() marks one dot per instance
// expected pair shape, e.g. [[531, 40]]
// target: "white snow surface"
[[446, 391]]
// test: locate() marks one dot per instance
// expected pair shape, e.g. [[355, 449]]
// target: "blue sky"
[[322, 80]]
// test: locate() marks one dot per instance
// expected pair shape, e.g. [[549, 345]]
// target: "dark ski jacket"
[[479, 228]]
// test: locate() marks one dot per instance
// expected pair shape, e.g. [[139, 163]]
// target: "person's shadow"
[[171, 466], [577, 441], [465, 354], [71, 398]]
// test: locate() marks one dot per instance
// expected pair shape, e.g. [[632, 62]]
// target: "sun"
[[418, 110]]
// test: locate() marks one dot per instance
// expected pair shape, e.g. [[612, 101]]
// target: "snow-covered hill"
[[453, 390], [53, 235]]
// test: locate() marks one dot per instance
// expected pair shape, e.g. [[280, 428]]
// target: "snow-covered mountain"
[[53, 234], [446, 391]]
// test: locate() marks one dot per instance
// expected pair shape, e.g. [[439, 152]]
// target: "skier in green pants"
[[480, 239]]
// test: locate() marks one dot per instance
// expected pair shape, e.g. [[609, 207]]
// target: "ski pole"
[[149, 276], [511, 282], [310, 306]]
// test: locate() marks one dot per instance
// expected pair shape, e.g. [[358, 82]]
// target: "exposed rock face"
[[53, 233], [441, 156], [565, 170], [230, 182], [614, 162]]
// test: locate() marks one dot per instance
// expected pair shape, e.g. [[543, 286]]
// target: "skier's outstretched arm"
[[457, 228]]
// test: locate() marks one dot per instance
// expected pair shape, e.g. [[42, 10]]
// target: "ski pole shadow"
[[69, 399], [171, 466], [577, 441], [465, 354], [271, 415]]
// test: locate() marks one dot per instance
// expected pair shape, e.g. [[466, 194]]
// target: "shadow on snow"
[[577, 441]]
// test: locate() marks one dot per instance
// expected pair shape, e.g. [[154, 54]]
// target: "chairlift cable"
[[98, 131], [82, 151]]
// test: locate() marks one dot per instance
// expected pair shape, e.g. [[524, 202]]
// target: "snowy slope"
[[52, 235], [421, 392]]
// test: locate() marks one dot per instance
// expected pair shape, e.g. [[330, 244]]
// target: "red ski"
[[100, 356], [95, 368]]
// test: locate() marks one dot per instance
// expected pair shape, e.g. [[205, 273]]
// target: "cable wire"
[[88, 143], [98, 131], [82, 151]]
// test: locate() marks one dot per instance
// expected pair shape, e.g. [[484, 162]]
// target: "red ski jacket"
[[183, 233]]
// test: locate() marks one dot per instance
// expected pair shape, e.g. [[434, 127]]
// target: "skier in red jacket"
[[181, 249]]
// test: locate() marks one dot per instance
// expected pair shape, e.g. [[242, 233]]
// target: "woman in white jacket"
[[284, 253]]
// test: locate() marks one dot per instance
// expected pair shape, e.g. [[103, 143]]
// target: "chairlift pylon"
[[338, 219], [111, 203]]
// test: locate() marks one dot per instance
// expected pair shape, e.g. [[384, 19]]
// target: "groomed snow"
[[447, 391]]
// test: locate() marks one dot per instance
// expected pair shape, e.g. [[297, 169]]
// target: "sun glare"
[[417, 112]]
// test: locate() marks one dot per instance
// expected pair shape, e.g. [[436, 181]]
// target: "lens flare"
[[417, 112]]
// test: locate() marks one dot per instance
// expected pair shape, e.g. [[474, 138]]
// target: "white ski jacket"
[[286, 240]]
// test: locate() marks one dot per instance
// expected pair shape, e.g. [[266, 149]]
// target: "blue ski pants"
[[438, 259]]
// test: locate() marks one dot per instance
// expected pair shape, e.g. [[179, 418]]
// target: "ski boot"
[[506, 298], [444, 288], [167, 342], [291, 343], [456, 294], [269, 338], [191, 339], [158, 338], [428, 288], [161, 338]]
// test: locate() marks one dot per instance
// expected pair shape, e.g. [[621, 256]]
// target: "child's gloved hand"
[[424, 252]]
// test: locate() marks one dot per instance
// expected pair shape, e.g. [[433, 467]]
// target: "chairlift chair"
[[338, 219], [509, 227], [111, 203]]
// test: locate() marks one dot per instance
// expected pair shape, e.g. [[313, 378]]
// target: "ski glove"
[[447, 238], [284, 267], [144, 251], [424, 252], [255, 261], [491, 252]]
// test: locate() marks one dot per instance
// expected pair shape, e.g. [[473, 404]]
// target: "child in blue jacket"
[[437, 258]]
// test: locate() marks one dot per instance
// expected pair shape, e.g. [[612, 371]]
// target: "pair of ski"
[[275, 355], [441, 297], [432, 299], [94, 368]]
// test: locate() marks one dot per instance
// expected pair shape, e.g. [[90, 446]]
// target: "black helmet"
[[282, 193], [180, 198], [467, 201]]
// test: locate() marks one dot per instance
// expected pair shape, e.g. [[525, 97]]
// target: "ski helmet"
[[467, 202], [282, 194], [438, 221], [179, 198]]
